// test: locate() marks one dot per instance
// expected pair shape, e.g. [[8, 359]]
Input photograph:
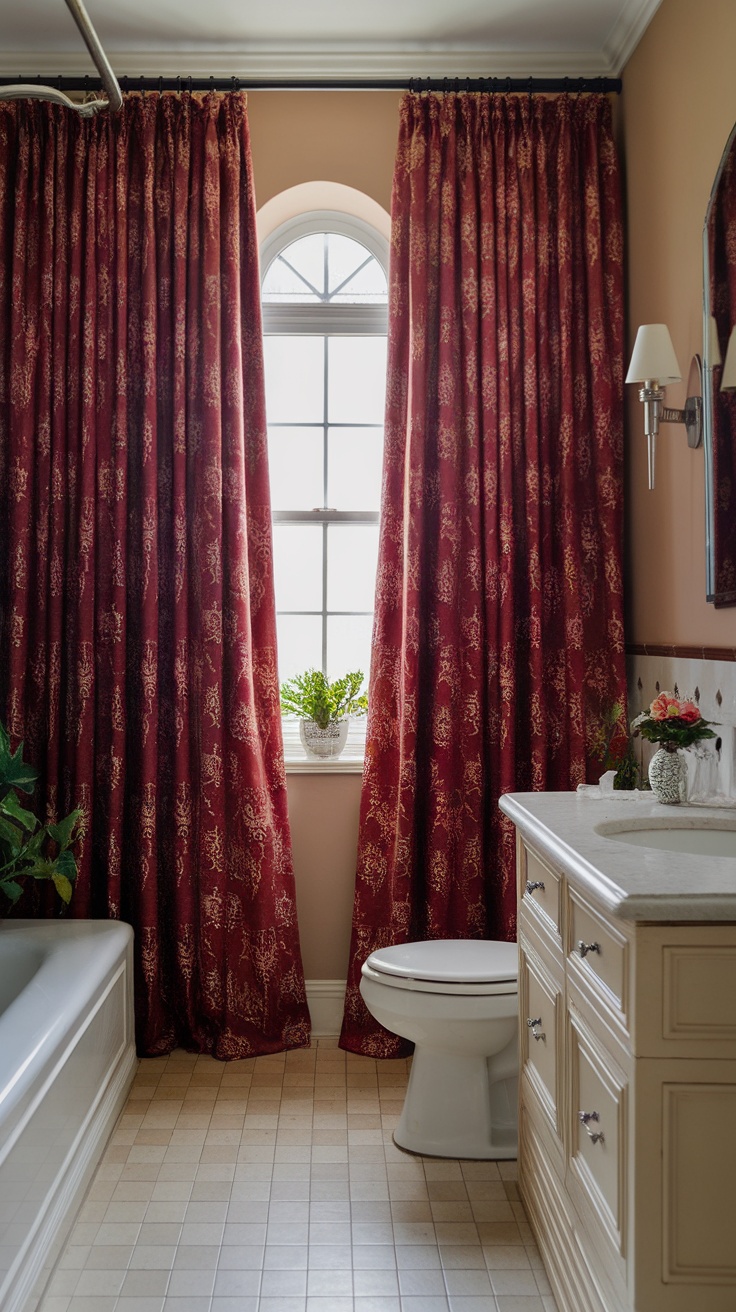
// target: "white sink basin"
[[671, 836]]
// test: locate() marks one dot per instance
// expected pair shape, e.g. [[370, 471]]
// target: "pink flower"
[[689, 712], [664, 707]]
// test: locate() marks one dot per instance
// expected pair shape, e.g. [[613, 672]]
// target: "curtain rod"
[[532, 85]]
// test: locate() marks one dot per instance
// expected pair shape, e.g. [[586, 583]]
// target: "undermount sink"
[[673, 836]]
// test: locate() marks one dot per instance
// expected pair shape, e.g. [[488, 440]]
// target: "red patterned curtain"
[[499, 621], [138, 637]]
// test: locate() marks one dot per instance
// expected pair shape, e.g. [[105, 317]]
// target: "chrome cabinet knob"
[[533, 884], [536, 1034], [585, 948]]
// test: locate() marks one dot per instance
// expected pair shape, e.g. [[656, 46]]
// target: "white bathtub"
[[67, 1057]]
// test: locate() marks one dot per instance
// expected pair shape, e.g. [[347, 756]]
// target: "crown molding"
[[282, 62], [627, 32]]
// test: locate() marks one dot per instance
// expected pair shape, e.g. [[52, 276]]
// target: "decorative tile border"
[[682, 653]]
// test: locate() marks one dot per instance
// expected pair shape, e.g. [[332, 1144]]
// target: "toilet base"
[[451, 1109]]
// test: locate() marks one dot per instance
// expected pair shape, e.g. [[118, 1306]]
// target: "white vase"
[[323, 744], [668, 776]]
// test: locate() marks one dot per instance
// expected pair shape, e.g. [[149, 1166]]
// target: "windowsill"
[[342, 765]]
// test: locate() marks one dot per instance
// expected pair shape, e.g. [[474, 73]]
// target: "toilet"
[[456, 999]]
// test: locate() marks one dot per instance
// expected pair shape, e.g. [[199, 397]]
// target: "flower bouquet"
[[673, 723]]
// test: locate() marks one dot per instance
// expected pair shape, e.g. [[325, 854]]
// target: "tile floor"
[[273, 1185]]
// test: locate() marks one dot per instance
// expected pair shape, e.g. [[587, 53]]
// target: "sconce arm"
[[691, 417]]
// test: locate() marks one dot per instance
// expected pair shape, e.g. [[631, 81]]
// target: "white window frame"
[[324, 321]]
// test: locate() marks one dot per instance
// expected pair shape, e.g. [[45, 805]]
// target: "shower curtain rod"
[[531, 85], [12, 90]]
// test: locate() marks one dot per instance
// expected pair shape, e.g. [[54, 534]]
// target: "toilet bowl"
[[456, 999]]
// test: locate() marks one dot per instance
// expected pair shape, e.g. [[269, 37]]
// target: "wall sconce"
[[654, 363]]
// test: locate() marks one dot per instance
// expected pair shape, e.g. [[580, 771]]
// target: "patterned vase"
[[668, 776], [323, 744]]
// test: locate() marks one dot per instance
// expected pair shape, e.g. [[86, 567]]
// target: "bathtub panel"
[[66, 1060]]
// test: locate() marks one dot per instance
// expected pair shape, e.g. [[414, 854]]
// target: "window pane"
[[295, 468], [364, 284], [297, 566], [357, 379], [349, 645], [294, 369], [352, 552], [300, 644], [297, 274], [354, 468]]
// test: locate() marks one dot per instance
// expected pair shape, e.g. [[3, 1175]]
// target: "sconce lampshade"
[[714, 346], [653, 357], [728, 378]]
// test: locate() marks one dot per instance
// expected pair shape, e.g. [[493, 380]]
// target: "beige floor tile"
[[274, 1185]]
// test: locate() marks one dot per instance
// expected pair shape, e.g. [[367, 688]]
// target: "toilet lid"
[[449, 961]]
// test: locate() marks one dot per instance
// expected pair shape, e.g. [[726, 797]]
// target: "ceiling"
[[329, 38]]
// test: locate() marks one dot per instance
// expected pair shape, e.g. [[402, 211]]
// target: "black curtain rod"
[[531, 85]]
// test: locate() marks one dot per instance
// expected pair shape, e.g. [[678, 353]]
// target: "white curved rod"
[[114, 102], [31, 91], [99, 58]]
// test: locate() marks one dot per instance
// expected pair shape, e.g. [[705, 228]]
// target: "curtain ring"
[[178, 84], [160, 86], [124, 82], [189, 81]]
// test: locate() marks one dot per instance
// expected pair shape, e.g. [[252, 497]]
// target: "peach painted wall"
[[679, 105], [340, 136], [347, 137]]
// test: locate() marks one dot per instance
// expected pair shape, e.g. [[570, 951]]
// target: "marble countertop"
[[635, 883]]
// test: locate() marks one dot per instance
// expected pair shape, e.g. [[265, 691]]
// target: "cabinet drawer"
[[540, 1001], [597, 1129], [598, 952], [540, 890]]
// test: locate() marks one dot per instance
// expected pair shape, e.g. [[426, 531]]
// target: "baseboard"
[[326, 1001]]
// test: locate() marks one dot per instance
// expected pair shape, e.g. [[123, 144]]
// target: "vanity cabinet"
[[627, 1130]]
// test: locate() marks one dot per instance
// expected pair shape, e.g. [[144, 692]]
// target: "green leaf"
[[11, 888], [66, 865], [12, 807], [62, 832], [14, 771], [10, 835], [63, 888]]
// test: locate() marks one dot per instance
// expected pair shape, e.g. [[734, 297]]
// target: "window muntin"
[[324, 313], [326, 268]]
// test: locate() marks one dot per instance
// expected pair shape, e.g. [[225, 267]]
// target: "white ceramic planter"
[[323, 744]]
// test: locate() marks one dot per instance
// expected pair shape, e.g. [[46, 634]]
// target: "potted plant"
[[28, 849], [674, 724], [324, 709]]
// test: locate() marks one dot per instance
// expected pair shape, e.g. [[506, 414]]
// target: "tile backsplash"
[[712, 684]]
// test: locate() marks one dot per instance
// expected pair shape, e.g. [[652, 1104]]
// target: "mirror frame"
[[728, 598]]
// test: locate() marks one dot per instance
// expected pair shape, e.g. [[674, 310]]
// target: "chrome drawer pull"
[[536, 1034], [584, 1118], [533, 884], [585, 948]]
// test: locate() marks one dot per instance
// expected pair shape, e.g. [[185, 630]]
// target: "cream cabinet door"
[[540, 1001], [686, 1185]]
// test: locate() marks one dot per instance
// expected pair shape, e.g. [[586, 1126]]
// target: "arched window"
[[324, 293]]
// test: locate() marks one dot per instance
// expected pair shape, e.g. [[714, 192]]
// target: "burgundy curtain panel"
[[138, 627], [498, 634]]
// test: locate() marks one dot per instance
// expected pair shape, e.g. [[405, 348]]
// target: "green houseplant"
[[28, 849], [324, 709]]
